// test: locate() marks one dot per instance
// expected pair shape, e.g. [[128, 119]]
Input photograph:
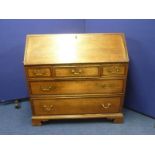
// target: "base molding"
[[116, 117]]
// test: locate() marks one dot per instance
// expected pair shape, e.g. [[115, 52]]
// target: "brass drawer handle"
[[38, 72], [106, 106], [48, 107], [46, 88], [114, 70], [76, 71], [117, 69]]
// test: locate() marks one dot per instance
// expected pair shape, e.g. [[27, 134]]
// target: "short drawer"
[[76, 71], [77, 87], [114, 70], [76, 106], [38, 72]]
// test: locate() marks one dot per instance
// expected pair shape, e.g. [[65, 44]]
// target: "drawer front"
[[76, 71], [114, 70], [76, 106], [77, 87], [38, 72]]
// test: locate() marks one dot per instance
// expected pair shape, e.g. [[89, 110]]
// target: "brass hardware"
[[117, 69], [114, 69], [48, 107], [76, 71], [46, 88], [38, 72], [106, 106]]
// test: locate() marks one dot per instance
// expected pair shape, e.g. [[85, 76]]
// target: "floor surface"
[[18, 122]]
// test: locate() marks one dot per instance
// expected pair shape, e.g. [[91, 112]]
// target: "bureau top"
[[75, 48]]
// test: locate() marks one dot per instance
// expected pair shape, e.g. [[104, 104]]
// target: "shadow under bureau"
[[72, 76]]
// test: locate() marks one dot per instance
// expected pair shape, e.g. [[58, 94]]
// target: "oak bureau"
[[76, 75]]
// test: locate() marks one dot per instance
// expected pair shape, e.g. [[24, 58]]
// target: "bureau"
[[71, 76]]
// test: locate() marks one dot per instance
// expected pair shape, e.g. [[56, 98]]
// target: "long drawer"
[[77, 87], [76, 105]]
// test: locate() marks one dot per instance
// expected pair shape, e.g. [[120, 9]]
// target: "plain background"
[[12, 43]]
